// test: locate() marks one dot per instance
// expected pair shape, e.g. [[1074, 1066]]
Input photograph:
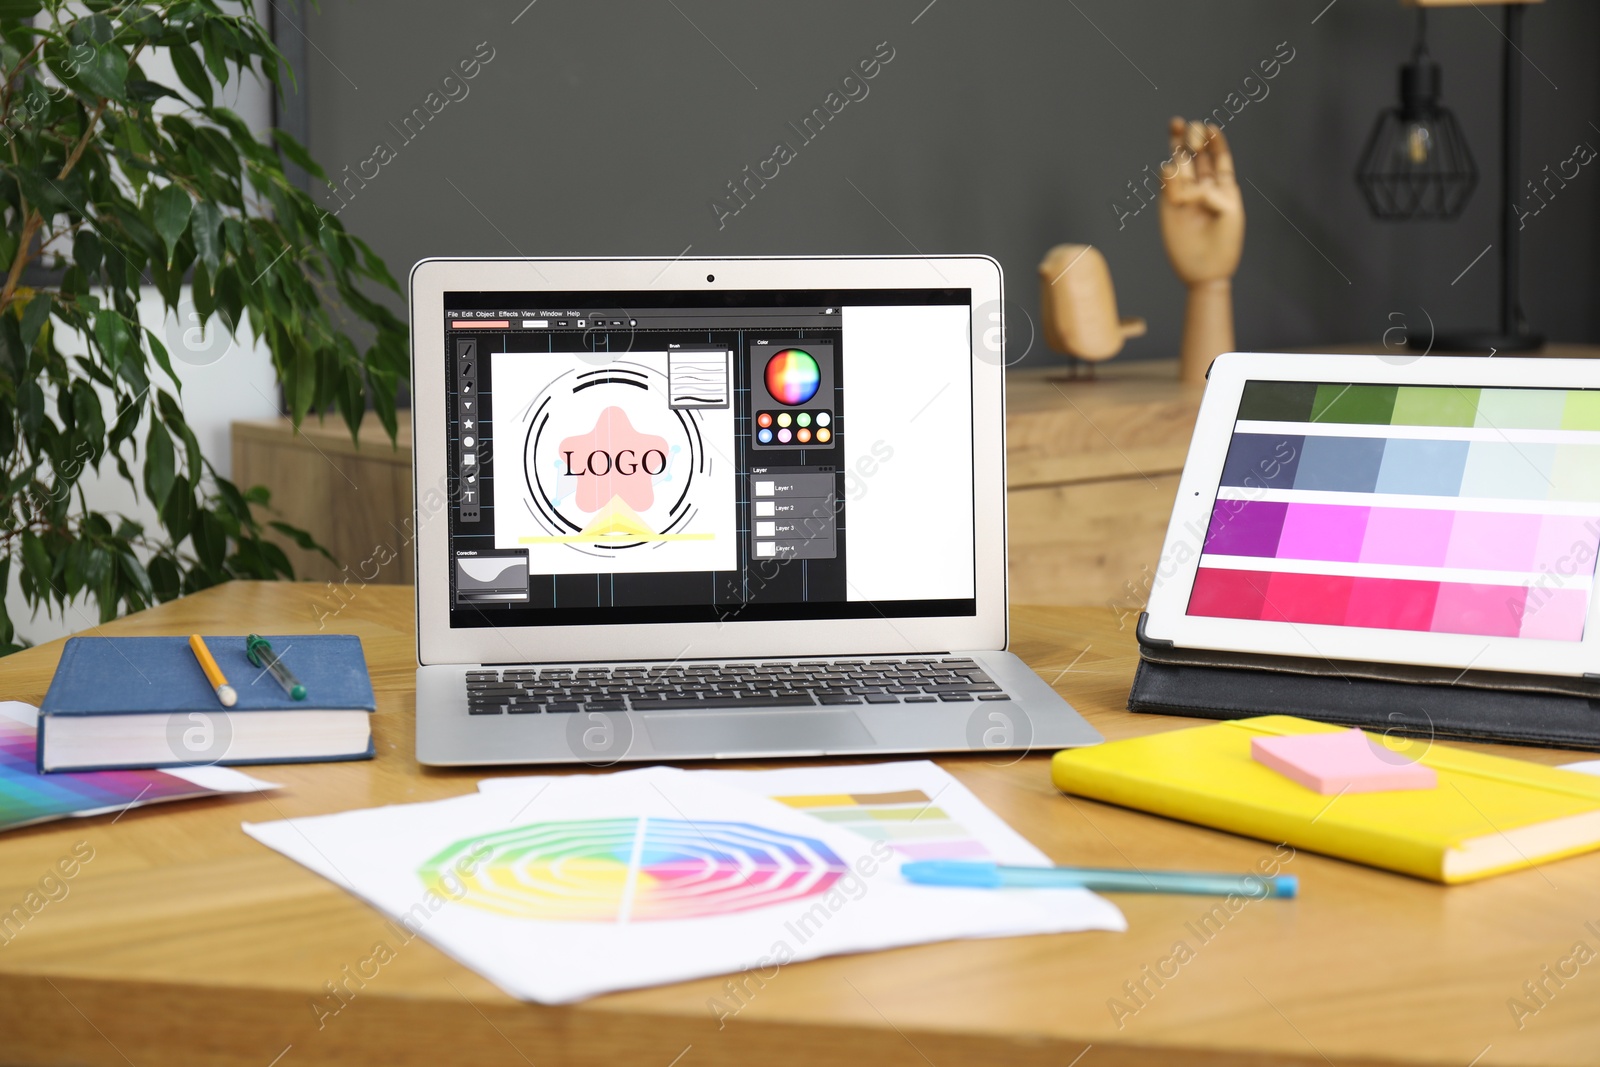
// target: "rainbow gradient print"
[[792, 377], [632, 869]]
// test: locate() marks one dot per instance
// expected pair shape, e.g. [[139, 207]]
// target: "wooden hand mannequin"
[[1202, 224]]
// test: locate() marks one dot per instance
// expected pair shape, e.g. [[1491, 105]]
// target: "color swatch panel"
[[1390, 603], [1504, 470], [905, 819], [1451, 510], [633, 869], [1432, 405], [1566, 545]]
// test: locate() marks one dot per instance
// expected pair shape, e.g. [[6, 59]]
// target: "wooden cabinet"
[[354, 499], [1092, 468]]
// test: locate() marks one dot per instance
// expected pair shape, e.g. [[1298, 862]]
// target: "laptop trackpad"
[[689, 734]]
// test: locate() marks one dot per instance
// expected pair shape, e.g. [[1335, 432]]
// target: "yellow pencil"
[[214, 674]]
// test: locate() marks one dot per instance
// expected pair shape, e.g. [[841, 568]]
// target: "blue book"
[[119, 703]]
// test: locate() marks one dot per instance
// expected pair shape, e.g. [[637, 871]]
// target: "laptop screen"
[[701, 456]]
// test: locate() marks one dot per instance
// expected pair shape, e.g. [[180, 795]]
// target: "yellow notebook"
[[1487, 815]]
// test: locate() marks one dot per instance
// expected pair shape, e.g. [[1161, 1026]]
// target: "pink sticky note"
[[1344, 762]]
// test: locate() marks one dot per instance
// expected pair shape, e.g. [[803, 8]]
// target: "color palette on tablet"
[[1449, 510]]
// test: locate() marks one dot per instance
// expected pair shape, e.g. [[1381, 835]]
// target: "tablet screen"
[[1422, 508]]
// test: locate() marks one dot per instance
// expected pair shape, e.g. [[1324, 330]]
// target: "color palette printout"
[[917, 807], [28, 797], [1424, 508], [559, 888]]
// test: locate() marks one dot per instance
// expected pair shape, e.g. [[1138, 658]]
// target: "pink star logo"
[[614, 460]]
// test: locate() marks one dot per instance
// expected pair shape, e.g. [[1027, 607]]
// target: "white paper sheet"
[[1588, 766], [918, 807], [587, 884]]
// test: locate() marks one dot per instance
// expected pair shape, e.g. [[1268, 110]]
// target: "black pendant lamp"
[[1416, 164]]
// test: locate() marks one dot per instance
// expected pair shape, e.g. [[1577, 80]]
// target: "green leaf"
[[105, 73], [170, 215], [216, 147], [159, 464], [207, 227], [297, 154], [30, 408], [8, 633], [191, 72], [163, 360], [304, 383], [96, 28], [35, 317], [165, 578], [352, 400], [97, 564], [205, 299], [129, 412], [87, 413], [178, 514], [11, 349], [277, 560], [134, 571], [36, 563], [111, 334], [300, 537], [233, 499], [86, 250], [214, 49], [210, 541], [19, 10]]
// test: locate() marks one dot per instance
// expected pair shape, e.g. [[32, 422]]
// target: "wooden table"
[[183, 942]]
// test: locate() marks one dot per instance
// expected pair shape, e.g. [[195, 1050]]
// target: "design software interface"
[[709, 456]]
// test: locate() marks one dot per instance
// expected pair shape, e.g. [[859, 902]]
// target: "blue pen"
[[974, 874]]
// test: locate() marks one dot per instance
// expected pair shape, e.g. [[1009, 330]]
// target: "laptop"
[[714, 509]]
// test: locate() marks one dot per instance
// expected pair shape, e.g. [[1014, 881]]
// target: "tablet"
[[1437, 511]]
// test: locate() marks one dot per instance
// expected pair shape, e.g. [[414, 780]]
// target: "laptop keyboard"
[[556, 690]]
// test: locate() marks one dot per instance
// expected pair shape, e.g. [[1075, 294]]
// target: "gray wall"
[[608, 128]]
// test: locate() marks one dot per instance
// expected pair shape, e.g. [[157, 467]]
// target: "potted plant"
[[113, 183]]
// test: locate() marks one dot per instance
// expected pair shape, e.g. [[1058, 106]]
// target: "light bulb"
[[1416, 144]]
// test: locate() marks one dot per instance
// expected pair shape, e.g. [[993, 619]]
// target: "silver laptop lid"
[[642, 459]]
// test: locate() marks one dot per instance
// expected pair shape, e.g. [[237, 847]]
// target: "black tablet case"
[[1413, 701]]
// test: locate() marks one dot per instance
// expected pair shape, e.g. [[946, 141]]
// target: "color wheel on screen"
[[792, 376], [629, 869]]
